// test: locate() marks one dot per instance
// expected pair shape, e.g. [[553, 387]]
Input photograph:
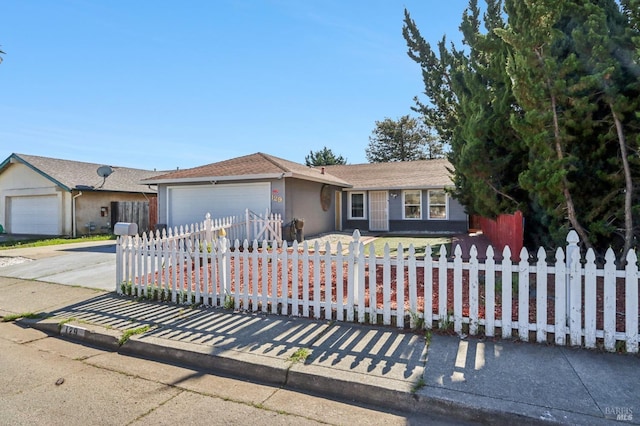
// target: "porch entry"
[[379, 210]]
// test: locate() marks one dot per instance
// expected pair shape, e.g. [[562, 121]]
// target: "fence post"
[[208, 231], [247, 225], [572, 246], [356, 272], [119, 264]]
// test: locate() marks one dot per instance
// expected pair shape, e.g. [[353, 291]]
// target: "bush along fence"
[[572, 301]]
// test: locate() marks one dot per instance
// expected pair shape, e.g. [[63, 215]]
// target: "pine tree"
[[323, 157], [470, 105], [405, 139]]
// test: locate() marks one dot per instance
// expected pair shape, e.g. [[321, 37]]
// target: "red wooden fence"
[[505, 230]]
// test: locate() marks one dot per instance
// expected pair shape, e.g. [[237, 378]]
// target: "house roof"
[[395, 175], [253, 166], [71, 175]]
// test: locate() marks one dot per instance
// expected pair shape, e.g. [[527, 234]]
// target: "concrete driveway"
[[90, 264]]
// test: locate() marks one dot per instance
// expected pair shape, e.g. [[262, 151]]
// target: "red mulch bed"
[[620, 316]]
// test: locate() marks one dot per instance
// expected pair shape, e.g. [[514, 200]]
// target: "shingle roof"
[[78, 175], [253, 166], [395, 175]]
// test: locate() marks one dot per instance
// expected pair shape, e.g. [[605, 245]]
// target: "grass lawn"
[[11, 243], [419, 244]]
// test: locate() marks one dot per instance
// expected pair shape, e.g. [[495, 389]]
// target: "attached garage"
[[37, 214], [189, 204]]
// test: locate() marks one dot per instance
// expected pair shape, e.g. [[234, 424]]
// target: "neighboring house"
[[377, 197], [401, 197], [258, 182], [48, 196]]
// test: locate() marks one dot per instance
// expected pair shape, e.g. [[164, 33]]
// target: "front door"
[[378, 211]]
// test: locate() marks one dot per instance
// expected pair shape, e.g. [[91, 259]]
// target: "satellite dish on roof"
[[104, 172]]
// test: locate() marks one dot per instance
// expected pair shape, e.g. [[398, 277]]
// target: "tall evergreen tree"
[[404, 139], [470, 105]]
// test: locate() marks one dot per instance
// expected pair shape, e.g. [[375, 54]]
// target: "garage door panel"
[[34, 215], [188, 205]]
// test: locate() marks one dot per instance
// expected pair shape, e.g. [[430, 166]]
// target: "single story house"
[[49, 196], [407, 197], [258, 182]]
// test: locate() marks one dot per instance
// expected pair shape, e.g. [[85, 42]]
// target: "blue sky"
[[169, 84]]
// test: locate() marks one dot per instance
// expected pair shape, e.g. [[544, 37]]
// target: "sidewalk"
[[485, 381]]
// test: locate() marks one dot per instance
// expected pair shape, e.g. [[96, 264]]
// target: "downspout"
[[73, 212]]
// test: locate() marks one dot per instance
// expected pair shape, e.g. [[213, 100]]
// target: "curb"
[[356, 388]]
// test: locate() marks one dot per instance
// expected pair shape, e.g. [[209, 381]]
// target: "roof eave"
[[321, 179], [209, 179]]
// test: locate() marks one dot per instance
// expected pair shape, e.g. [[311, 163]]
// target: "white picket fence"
[[572, 299], [251, 226]]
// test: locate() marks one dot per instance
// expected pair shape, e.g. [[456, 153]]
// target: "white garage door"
[[34, 215], [188, 205]]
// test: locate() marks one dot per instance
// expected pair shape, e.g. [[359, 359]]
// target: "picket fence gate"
[[250, 226], [570, 302]]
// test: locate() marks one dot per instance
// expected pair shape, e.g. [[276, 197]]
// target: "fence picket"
[[507, 294], [413, 287], [541, 296], [328, 296], [610, 301], [360, 283], [400, 287], [457, 290], [473, 291], [284, 266], [305, 280], [373, 285], [631, 302], [339, 283], [590, 300], [427, 309], [256, 274], [295, 284], [490, 293], [386, 286], [274, 265], [443, 314], [265, 277], [316, 280], [560, 292], [523, 296], [575, 300]]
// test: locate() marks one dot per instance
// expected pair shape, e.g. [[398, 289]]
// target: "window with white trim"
[[412, 201], [357, 205], [438, 204]]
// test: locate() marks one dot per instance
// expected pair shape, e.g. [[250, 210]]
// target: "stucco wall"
[[303, 202]]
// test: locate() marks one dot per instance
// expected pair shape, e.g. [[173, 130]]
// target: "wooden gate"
[[142, 213]]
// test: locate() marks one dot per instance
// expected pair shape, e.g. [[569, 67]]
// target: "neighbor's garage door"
[[34, 215], [189, 205]]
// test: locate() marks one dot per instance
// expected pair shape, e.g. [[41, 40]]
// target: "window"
[[437, 204], [412, 204], [357, 205]]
